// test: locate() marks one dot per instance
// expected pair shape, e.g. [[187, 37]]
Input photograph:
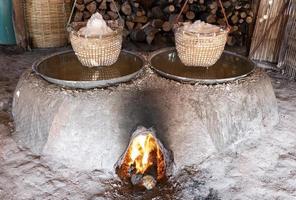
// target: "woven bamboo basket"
[[100, 50], [200, 50], [46, 22]]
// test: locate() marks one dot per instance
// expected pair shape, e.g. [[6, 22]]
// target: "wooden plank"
[[287, 58], [19, 24], [254, 8], [271, 43]]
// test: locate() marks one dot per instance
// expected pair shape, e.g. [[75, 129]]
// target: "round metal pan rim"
[[195, 80], [91, 83]]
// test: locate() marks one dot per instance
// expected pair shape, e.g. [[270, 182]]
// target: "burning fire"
[[143, 157], [142, 149]]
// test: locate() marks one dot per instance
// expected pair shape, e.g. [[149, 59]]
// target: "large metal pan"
[[64, 69], [229, 67]]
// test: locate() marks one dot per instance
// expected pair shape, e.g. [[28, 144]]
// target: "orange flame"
[[141, 150], [144, 155]]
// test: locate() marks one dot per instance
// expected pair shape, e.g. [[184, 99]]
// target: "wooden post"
[[267, 37], [19, 24], [254, 8]]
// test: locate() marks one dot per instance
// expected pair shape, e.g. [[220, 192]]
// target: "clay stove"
[[91, 129]]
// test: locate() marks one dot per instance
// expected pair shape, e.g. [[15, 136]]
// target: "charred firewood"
[[149, 182]]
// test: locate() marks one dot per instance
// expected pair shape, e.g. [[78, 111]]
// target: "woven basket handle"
[[117, 10], [222, 8], [224, 14], [71, 14], [73, 8]]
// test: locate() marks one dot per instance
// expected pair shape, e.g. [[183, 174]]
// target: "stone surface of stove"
[[258, 167], [90, 129]]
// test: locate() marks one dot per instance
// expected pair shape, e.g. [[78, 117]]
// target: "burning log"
[[149, 182], [145, 161]]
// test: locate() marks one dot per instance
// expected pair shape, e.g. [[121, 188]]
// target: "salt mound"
[[96, 26], [201, 27]]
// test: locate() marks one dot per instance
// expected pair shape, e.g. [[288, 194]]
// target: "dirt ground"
[[259, 167]]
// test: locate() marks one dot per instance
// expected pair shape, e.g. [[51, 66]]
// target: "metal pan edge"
[[192, 80], [88, 84]]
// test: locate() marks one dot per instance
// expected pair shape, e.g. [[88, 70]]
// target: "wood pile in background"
[[152, 21], [270, 46]]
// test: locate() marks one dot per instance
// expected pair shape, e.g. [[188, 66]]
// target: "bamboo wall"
[[270, 47], [287, 58]]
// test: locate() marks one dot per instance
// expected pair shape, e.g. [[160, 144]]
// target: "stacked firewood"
[[146, 20]]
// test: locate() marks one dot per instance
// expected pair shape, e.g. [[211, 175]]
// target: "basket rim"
[[118, 30], [223, 30], [114, 33]]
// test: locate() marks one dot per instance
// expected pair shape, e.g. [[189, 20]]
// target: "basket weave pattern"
[[97, 51], [200, 50], [46, 22]]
